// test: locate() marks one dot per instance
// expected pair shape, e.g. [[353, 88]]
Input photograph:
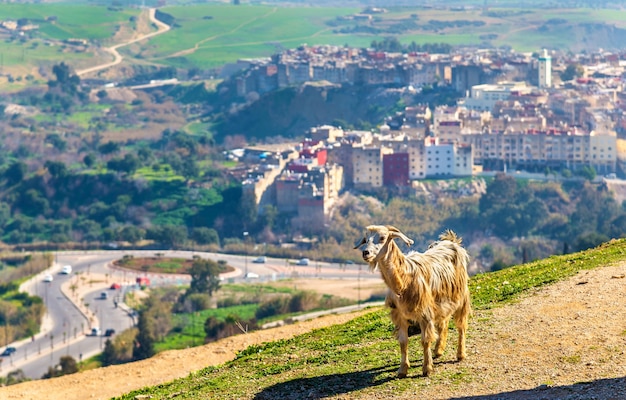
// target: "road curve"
[[117, 57]]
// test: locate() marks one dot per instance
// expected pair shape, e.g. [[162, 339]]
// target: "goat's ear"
[[362, 242], [395, 233]]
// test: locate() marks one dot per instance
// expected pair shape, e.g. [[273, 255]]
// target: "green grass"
[[191, 331], [359, 358], [72, 21], [165, 173]]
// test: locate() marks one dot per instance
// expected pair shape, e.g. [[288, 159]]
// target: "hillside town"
[[519, 113]]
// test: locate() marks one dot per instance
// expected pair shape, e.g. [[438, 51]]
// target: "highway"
[[74, 304]]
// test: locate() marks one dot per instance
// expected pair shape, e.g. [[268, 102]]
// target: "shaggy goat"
[[425, 289]]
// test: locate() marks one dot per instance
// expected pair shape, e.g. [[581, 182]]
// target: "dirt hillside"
[[565, 341]]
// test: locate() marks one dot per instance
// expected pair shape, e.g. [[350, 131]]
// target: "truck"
[[142, 281]]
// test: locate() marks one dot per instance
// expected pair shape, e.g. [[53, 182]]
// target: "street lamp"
[[245, 257]]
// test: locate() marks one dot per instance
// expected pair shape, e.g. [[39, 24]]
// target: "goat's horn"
[[360, 243], [395, 233]]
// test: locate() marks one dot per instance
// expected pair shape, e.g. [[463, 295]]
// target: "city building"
[[544, 68]]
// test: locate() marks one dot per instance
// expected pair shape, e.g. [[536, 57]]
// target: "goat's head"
[[376, 236]]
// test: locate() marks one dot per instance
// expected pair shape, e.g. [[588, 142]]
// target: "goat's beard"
[[371, 260], [373, 265]]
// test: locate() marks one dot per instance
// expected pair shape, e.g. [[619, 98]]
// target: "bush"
[[199, 301], [303, 301], [269, 308]]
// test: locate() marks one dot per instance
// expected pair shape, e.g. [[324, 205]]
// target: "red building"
[[396, 169]]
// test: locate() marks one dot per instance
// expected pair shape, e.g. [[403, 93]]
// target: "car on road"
[[260, 260], [303, 261], [115, 286], [104, 296], [67, 269], [8, 351], [95, 332], [251, 275], [48, 278], [109, 332]]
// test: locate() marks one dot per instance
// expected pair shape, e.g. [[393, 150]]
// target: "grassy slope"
[[94, 23], [360, 358]]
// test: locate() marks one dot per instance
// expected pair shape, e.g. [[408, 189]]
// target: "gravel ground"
[[565, 341]]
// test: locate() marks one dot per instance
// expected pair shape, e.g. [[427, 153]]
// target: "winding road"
[[74, 304], [117, 57]]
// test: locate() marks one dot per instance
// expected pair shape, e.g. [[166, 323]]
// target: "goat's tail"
[[451, 236]]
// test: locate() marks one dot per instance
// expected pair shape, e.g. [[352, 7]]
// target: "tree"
[[168, 235], [56, 141], [89, 160], [204, 277], [68, 365], [15, 173], [67, 82], [33, 203], [588, 172], [572, 71], [56, 168], [144, 342], [131, 233], [204, 235], [109, 148], [108, 354], [128, 164]]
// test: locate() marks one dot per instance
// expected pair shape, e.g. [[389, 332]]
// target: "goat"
[[425, 289]]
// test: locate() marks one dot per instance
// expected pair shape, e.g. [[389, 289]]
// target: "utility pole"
[[245, 257]]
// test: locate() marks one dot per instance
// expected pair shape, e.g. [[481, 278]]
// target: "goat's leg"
[[428, 337], [402, 335], [403, 340], [442, 331], [460, 319]]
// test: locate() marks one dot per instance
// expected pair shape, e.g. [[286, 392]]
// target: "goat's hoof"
[[461, 357], [401, 375]]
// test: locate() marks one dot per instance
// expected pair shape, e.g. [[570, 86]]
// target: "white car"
[[48, 278], [259, 260], [67, 269], [303, 261], [251, 275]]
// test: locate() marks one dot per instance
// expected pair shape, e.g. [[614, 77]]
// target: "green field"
[[210, 35]]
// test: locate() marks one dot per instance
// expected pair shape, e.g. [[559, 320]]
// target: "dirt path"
[[117, 57], [571, 332]]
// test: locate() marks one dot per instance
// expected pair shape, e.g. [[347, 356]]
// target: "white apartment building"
[[447, 159], [484, 97], [534, 150]]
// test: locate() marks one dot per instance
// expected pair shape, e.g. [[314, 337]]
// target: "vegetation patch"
[[161, 265]]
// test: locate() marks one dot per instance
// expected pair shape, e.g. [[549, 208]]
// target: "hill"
[[208, 36], [548, 329]]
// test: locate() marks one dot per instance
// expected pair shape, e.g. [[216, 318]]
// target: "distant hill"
[[292, 111]]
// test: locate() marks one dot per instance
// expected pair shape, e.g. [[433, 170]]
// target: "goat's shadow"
[[320, 387]]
